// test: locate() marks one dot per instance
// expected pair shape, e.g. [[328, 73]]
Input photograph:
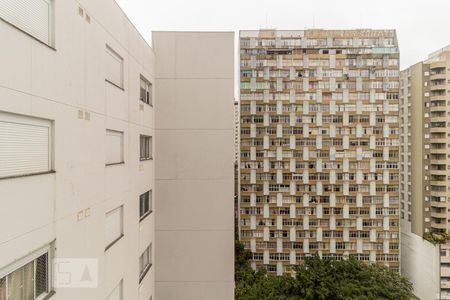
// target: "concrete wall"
[[420, 263], [194, 165], [57, 84]]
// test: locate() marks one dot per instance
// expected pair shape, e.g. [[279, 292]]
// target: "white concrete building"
[[77, 170], [76, 174]]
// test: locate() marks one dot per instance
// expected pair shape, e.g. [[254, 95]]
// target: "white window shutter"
[[24, 145], [31, 16], [114, 147], [113, 225], [114, 67]]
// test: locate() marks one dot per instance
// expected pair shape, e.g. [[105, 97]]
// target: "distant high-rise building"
[[236, 131], [425, 173], [319, 148]]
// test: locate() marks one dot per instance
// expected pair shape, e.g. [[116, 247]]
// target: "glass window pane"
[[15, 285], [28, 282]]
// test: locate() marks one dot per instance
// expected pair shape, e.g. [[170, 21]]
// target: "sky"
[[423, 26]]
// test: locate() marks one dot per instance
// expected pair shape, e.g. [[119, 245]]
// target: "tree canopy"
[[320, 279]]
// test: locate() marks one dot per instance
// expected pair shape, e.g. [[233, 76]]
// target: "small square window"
[[146, 91], [113, 226], [114, 147], [114, 67], [145, 204], [145, 262], [145, 147]]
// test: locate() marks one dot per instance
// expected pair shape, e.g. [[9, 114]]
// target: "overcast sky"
[[423, 26]]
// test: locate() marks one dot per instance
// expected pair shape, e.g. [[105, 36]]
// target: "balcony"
[[437, 98], [437, 67], [441, 225], [438, 194], [438, 87], [437, 76], [445, 259], [445, 285], [441, 215], [440, 204], [437, 107], [438, 160], [445, 271], [438, 119]]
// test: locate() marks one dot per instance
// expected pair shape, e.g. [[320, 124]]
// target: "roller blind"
[[31, 16], [24, 145], [114, 67], [114, 147], [114, 225]]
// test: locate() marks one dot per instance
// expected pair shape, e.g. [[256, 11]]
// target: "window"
[[28, 278], [114, 226], [145, 262], [145, 204], [114, 67], [117, 293], [146, 91], [146, 147], [114, 147], [25, 145], [35, 17]]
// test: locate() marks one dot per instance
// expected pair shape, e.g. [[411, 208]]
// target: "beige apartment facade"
[[195, 165], [319, 146], [425, 173]]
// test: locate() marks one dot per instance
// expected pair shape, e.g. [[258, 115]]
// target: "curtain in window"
[[2, 289], [21, 284]]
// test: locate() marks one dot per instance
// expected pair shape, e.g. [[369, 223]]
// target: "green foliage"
[[436, 237], [321, 279]]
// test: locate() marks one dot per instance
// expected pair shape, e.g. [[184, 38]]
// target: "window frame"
[[122, 150], [148, 149], [148, 91], [32, 258], [27, 120], [150, 205], [115, 55], [121, 235], [51, 26], [144, 268]]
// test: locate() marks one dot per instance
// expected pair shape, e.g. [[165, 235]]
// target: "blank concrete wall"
[[194, 165]]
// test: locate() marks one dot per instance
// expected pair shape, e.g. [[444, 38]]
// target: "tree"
[[320, 279], [330, 279]]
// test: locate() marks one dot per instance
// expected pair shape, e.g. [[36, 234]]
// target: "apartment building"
[[194, 166], [76, 167], [319, 148], [236, 131], [424, 191]]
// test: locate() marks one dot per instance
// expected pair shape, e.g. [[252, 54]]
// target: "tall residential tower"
[[319, 146], [425, 174]]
